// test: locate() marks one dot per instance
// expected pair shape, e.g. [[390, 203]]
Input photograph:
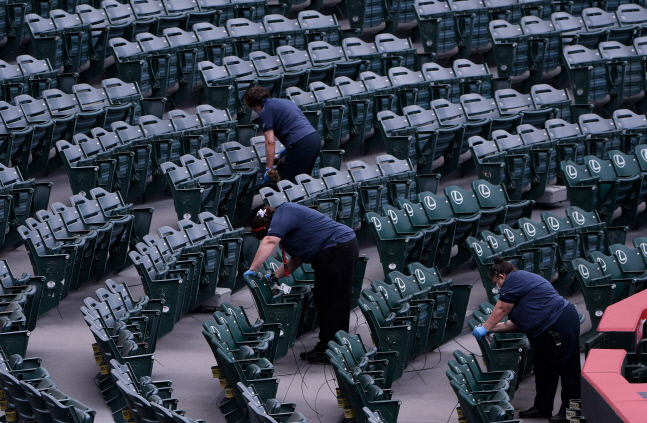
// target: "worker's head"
[[261, 222], [255, 96], [500, 270]]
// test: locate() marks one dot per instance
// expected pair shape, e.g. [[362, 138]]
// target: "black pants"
[[334, 269], [301, 157], [553, 362]]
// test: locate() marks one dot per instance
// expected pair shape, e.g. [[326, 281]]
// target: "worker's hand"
[[479, 332], [266, 177], [249, 273]]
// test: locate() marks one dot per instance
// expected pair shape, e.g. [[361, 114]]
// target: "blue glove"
[[250, 273], [267, 179], [283, 152], [479, 332]]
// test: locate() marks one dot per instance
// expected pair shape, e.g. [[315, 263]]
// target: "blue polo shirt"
[[305, 232], [537, 305], [286, 119]]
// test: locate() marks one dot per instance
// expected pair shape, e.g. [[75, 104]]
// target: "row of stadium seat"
[[461, 27], [398, 323], [243, 355], [607, 277], [428, 230], [88, 32], [126, 158], [19, 200], [125, 330], [364, 379], [604, 185], [20, 307], [483, 396], [30, 394], [23, 299], [607, 74], [183, 266], [526, 160], [71, 245], [173, 60], [270, 411], [545, 247], [346, 196], [33, 125], [146, 400]]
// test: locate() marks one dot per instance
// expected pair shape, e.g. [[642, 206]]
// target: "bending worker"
[[282, 119], [552, 325], [311, 237]]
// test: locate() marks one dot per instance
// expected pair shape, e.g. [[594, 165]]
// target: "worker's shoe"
[[318, 358], [316, 350], [533, 413], [558, 418]]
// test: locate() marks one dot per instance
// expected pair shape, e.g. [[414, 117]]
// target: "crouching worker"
[[282, 119], [330, 247]]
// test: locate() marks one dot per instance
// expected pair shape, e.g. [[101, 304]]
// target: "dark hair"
[[501, 266], [255, 95], [261, 221]]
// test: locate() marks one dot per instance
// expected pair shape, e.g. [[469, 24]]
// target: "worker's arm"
[[293, 263], [265, 248], [501, 309], [269, 148]]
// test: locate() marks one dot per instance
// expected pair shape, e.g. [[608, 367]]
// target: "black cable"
[[452, 413], [465, 348], [317, 395], [440, 359]]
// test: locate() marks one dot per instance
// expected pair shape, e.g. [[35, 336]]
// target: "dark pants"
[[300, 157], [551, 362], [334, 269]]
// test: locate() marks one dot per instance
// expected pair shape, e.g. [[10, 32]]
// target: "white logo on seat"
[[643, 153], [530, 229], [408, 209], [457, 197], [595, 166], [400, 284], [478, 249], [643, 247], [430, 202], [493, 242], [509, 234], [553, 222], [571, 171], [345, 341], [393, 216], [579, 218], [619, 160], [376, 223], [484, 190], [274, 266], [420, 276], [383, 291], [602, 264], [621, 256], [583, 271]]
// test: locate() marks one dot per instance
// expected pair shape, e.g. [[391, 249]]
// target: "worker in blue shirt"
[[552, 325], [282, 119], [309, 236]]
